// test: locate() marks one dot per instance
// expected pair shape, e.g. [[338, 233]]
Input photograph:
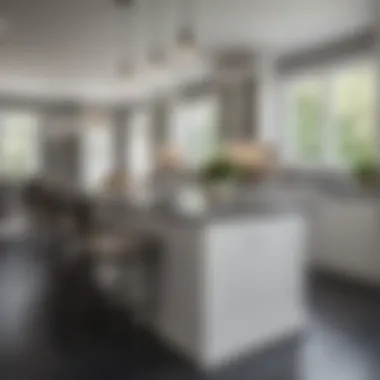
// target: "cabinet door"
[[253, 281], [349, 238]]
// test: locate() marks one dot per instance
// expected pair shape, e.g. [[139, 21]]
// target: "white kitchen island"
[[231, 285]]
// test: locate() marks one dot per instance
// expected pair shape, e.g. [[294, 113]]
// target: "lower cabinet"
[[347, 237]]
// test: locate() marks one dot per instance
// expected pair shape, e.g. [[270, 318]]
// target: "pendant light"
[[5, 23], [157, 54], [125, 23], [132, 68], [159, 59], [186, 40]]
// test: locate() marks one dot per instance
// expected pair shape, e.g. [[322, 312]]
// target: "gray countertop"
[[252, 203], [228, 212], [349, 191]]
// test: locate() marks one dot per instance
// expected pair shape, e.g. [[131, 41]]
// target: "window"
[[354, 94], [194, 131], [309, 118], [331, 116], [98, 159], [140, 160], [19, 144]]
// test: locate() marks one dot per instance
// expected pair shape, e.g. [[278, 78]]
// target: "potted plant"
[[221, 175], [367, 173]]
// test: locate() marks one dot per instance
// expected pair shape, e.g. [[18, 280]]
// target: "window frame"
[[328, 75]]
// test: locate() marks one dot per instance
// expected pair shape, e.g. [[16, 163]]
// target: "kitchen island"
[[231, 276], [232, 281]]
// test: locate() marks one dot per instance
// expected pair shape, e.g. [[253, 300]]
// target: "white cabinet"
[[253, 286], [232, 286], [349, 237]]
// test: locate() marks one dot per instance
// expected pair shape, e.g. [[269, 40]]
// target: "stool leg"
[[153, 267]]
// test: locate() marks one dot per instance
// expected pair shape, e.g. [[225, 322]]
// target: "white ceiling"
[[73, 47]]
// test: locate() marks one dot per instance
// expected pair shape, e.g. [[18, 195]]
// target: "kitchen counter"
[[351, 191], [231, 283], [227, 212], [347, 235], [231, 278]]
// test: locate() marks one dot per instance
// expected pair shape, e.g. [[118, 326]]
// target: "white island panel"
[[253, 284]]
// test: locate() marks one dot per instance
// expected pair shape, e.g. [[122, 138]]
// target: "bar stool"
[[75, 301], [128, 269]]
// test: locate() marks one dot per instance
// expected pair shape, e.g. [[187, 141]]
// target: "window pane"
[[195, 131], [19, 144], [206, 140], [140, 152], [309, 119], [355, 105], [97, 155]]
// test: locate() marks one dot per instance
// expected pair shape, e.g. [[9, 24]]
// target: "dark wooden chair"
[[129, 255], [78, 309]]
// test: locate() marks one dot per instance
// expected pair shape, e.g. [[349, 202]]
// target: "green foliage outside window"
[[341, 107], [310, 113], [355, 96]]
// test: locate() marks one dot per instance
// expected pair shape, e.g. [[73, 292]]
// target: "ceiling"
[[73, 47]]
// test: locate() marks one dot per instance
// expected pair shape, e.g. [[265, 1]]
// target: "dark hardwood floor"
[[342, 341]]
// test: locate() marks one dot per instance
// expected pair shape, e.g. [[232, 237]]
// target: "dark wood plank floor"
[[342, 341]]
